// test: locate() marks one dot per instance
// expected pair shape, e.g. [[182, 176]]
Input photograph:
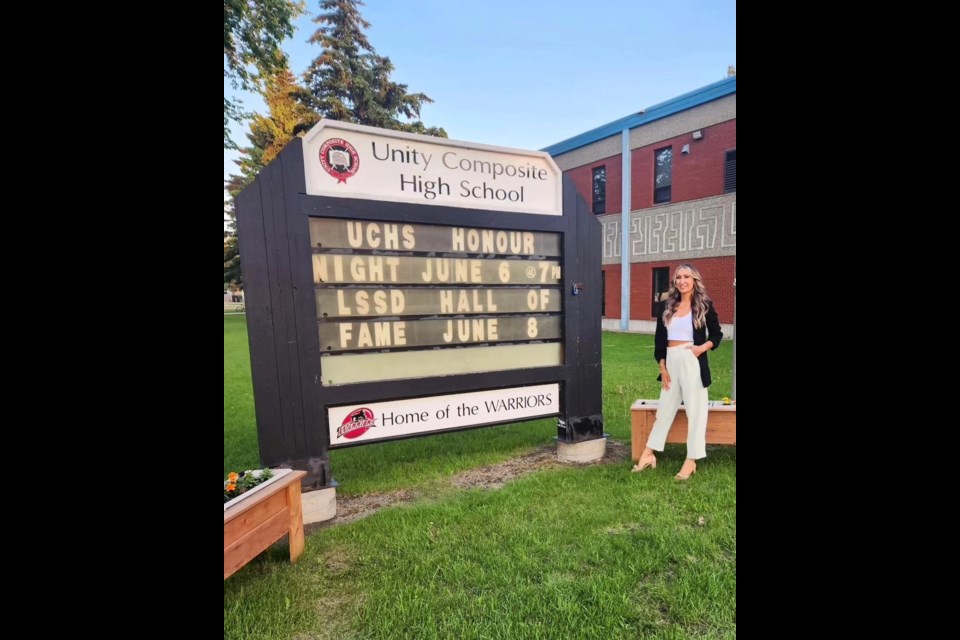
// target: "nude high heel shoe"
[[680, 475], [644, 463]]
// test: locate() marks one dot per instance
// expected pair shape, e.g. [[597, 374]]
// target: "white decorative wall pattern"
[[687, 230], [611, 238]]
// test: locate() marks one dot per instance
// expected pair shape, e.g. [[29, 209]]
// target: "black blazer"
[[700, 336]]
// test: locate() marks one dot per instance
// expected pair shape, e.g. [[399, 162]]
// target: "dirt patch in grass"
[[545, 457], [496, 475], [350, 508]]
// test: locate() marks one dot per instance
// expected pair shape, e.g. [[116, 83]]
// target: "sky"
[[530, 73]]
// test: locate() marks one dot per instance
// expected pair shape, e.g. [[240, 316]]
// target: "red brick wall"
[[583, 178], [718, 275], [696, 175], [611, 296]]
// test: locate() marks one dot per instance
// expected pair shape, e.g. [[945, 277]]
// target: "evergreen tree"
[[349, 82], [231, 250], [231, 261]]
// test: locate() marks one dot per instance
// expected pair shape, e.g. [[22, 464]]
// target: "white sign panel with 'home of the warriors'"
[[350, 160], [357, 423]]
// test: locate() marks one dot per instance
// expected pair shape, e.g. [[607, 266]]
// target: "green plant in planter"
[[239, 483]]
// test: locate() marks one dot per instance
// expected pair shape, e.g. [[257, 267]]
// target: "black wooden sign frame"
[[291, 403]]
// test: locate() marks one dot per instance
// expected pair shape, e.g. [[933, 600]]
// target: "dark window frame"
[[730, 171], [663, 193], [603, 292], [599, 189], [658, 288]]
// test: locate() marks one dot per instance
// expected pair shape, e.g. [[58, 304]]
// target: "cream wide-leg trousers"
[[685, 385]]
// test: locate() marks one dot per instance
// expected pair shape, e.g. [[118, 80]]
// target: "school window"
[[661, 284], [600, 189], [730, 172], [663, 174], [603, 293]]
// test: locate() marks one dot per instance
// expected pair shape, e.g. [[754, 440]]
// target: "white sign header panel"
[[355, 161]]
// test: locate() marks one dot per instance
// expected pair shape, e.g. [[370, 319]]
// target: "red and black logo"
[[356, 424], [339, 159]]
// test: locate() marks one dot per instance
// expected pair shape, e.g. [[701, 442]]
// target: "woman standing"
[[687, 325]]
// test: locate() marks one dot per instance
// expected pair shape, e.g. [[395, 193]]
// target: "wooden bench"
[[256, 522], [721, 425]]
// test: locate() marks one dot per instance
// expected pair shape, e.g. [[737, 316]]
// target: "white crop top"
[[681, 328]]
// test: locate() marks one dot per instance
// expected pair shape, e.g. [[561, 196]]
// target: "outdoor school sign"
[[351, 160], [401, 285]]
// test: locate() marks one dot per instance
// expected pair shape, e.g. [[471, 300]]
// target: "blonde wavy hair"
[[699, 304]]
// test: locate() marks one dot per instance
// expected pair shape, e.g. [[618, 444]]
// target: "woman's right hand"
[[665, 380]]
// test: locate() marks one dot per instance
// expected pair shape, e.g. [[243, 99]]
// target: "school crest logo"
[[339, 159], [356, 424]]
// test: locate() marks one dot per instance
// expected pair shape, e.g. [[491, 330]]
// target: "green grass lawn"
[[574, 552]]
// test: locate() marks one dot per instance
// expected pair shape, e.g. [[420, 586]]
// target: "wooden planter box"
[[261, 517], [721, 425]]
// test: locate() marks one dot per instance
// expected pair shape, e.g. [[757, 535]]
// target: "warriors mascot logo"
[[339, 159], [356, 424]]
